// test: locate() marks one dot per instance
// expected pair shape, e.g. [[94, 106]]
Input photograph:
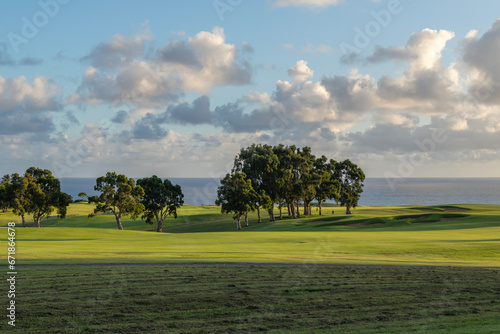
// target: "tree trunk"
[[292, 208], [288, 206], [281, 212], [348, 210], [119, 221], [37, 221], [246, 220], [271, 214], [159, 227], [298, 210], [24, 220], [319, 205], [307, 208], [238, 225], [258, 215]]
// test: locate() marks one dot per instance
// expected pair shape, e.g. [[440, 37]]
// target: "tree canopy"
[[161, 199], [44, 194], [119, 195], [37, 193], [288, 176], [237, 196], [351, 179]]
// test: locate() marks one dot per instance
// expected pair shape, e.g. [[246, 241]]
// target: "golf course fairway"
[[453, 235]]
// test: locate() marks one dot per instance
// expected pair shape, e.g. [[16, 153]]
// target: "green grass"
[[423, 277], [250, 299], [464, 235]]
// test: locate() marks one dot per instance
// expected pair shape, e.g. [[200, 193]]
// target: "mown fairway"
[[465, 235], [251, 299]]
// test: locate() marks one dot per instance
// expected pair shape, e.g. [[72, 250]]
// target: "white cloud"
[[423, 50], [25, 106], [480, 55], [300, 72], [121, 72]]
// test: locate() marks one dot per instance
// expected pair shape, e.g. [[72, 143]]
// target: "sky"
[[176, 88]]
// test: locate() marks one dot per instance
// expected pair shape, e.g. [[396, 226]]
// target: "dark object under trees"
[[119, 195], [161, 199]]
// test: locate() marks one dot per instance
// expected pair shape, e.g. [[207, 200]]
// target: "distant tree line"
[[265, 176], [38, 193]]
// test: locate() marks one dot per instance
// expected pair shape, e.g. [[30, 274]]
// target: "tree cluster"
[[265, 176], [36, 193], [153, 198]]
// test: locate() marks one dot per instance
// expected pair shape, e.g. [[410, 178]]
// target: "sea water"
[[377, 191]]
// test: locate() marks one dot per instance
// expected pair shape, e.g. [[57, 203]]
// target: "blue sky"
[[176, 88]]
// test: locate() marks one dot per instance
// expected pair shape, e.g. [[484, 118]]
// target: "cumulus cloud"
[[121, 72], [233, 118], [423, 50], [120, 117], [300, 72], [148, 128], [25, 106], [118, 50], [184, 113], [480, 55]]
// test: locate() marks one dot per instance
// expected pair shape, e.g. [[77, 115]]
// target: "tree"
[[328, 187], [284, 185], [119, 195], [307, 180], [236, 195], [18, 194], [351, 179], [286, 178], [83, 195], [43, 195], [161, 199], [4, 197], [259, 163]]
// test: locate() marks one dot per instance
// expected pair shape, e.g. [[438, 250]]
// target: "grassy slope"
[[250, 299], [390, 235]]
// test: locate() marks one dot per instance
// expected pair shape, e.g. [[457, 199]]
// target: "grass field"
[[465, 235], [382, 270], [251, 299]]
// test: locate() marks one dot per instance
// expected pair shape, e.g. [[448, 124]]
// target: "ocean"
[[377, 191]]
